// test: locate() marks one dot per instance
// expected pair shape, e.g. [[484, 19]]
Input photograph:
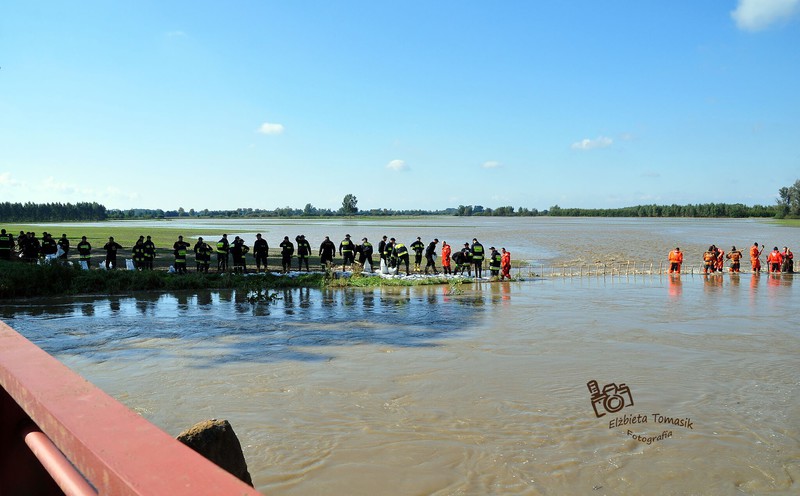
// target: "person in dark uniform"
[[303, 251], [401, 255], [149, 252], [179, 249], [382, 250], [202, 255], [478, 254], [85, 251], [464, 262], [49, 247], [347, 251], [495, 260], [326, 252], [430, 256], [6, 245], [111, 253], [417, 247], [63, 243], [287, 250], [223, 247], [239, 252], [365, 253], [261, 252], [138, 254]]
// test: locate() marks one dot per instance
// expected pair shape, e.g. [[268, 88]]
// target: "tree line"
[[52, 212], [787, 206]]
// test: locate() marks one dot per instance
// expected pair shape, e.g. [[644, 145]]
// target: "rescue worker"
[[755, 260], [430, 256], [326, 252], [401, 254], [63, 243], [675, 260], [287, 250], [495, 261], [179, 249], [137, 252], [382, 249], [446, 258], [478, 254], [735, 256], [111, 253], [49, 247], [223, 248], [202, 255], [505, 264], [788, 261], [149, 253], [465, 261], [85, 251], [774, 260], [709, 259], [261, 252], [303, 251], [417, 247], [719, 261], [30, 250], [239, 252], [365, 254], [389, 254], [346, 250], [6, 245]]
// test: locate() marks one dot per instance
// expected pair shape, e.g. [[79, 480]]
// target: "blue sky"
[[267, 104]]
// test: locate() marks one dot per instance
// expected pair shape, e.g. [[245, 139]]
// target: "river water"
[[478, 389]]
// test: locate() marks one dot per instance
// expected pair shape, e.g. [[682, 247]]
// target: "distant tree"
[[789, 200], [309, 210], [349, 205]]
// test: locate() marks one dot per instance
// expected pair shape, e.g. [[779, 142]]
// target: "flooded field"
[[481, 389]]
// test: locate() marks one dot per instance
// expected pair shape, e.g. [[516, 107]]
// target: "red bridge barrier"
[[59, 434]]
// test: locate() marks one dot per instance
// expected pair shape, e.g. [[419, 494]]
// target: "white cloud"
[[755, 15], [270, 128], [7, 180], [397, 165], [491, 164], [589, 144]]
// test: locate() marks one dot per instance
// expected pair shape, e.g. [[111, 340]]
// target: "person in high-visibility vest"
[[365, 254], [303, 251], [401, 253], [223, 247], [6, 245], [477, 257], [202, 255], [180, 248], [774, 260], [495, 260], [347, 251], [149, 253], [735, 256], [138, 254], [417, 247], [287, 250], [755, 257]]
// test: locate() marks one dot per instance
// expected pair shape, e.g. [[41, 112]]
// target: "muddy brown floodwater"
[[481, 390]]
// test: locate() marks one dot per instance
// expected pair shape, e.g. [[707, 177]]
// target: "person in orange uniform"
[[774, 260], [675, 260], [446, 258], [709, 259], [719, 262], [505, 264], [734, 256], [788, 260], [755, 261]]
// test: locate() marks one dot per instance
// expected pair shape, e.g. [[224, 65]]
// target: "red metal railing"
[[59, 434]]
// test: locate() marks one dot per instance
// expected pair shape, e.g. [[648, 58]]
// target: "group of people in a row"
[[393, 254], [714, 259]]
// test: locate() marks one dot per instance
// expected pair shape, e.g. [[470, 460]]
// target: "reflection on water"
[[482, 390]]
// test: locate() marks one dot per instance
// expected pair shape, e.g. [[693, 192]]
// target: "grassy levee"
[[20, 280]]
